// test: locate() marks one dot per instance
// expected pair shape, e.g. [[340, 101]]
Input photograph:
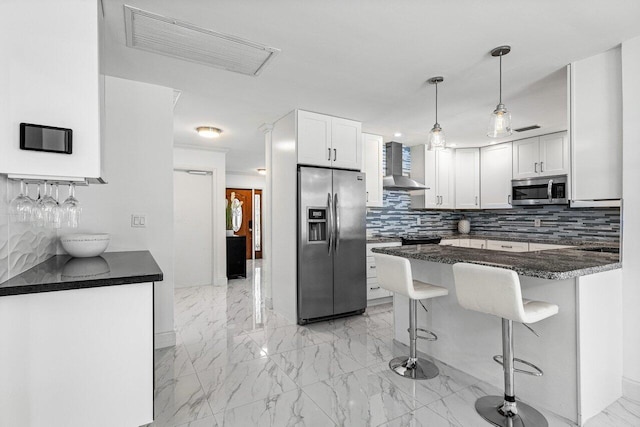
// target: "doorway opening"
[[246, 218]]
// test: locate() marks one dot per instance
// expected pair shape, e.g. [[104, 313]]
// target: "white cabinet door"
[[596, 127], [545, 247], [526, 155], [467, 178], [431, 198], [346, 144], [372, 148], [477, 243], [450, 242], [445, 178], [495, 180], [554, 154], [314, 139]]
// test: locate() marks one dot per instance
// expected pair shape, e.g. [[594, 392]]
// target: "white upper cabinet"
[[437, 170], [545, 155], [495, 179], [596, 129], [467, 179], [314, 139], [346, 143], [328, 141], [50, 76], [372, 147]]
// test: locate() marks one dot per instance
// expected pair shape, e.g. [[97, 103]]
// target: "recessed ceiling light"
[[208, 131], [397, 134], [262, 171]]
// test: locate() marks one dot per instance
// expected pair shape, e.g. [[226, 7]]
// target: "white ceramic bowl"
[[85, 245]]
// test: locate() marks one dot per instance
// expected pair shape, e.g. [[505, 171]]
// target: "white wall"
[[249, 182], [139, 164], [214, 161], [49, 76], [631, 215]]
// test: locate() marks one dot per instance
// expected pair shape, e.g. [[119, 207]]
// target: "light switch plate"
[[536, 223], [138, 220]]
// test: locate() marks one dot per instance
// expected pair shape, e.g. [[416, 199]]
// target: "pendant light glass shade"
[[499, 123], [437, 140], [500, 119]]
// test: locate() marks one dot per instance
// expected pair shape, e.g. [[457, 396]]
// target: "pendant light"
[[436, 135], [500, 120]]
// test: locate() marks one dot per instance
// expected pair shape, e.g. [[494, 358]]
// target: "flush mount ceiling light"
[[208, 131], [500, 120], [262, 171], [397, 134], [436, 135]]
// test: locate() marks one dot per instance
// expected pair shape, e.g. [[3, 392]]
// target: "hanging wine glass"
[[71, 208], [37, 213], [21, 206], [49, 207]]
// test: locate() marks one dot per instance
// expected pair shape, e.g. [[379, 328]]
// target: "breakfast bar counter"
[[579, 349]]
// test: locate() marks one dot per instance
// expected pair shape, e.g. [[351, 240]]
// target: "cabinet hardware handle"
[[541, 167], [476, 200], [509, 199], [372, 266], [506, 246], [367, 196], [329, 149], [335, 154], [535, 167], [373, 288]]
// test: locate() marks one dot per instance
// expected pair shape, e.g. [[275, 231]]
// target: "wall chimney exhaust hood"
[[393, 179]]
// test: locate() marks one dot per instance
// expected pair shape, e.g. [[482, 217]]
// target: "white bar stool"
[[394, 274], [497, 291]]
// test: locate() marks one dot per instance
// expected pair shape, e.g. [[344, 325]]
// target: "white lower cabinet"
[[506, 246], [450, 242], [374, 291], [545, 247]]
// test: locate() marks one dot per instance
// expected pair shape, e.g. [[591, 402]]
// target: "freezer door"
[[315, 248], [349, 260]]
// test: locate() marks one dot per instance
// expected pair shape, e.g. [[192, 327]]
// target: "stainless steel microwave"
[[551, 190]]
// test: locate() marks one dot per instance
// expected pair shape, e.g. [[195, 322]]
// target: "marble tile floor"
[[236, 363]]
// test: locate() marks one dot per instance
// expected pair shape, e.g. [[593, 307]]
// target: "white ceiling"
[[369, 61]]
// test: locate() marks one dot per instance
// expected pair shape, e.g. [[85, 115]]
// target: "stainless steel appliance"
[[331, 243], [550, 190], [393, 178]]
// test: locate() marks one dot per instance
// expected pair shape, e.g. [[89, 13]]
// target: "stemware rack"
[[60, 180]]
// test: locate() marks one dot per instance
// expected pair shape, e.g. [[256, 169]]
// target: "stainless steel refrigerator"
[[331, 243]]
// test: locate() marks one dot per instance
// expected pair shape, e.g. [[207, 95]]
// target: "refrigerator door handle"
[[337, 222], [330, 221]]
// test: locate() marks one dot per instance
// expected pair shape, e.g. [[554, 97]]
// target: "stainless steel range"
[[412, 239]]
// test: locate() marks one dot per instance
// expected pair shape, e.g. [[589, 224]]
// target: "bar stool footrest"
[[431, 335], [537, 372]]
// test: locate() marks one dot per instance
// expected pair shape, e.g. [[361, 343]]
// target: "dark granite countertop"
[[554, 264], [63, 272], [383, 239], [509, 238]]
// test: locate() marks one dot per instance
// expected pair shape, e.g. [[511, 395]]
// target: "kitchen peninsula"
[[77, 341], [579, 349]]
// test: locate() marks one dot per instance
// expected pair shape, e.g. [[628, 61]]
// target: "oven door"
[[539, 191]]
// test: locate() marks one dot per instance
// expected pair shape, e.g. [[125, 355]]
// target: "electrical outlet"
[[419, 221], [138, 220], [536, 223]]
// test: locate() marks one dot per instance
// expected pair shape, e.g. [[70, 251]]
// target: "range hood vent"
[[393, 179], [171, 37]]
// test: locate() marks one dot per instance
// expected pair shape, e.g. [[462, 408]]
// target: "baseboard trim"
[[220, 281], [631, 389], [165, 339]]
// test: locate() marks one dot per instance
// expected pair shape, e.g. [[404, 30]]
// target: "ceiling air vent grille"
[[167, 36], [526, 128]]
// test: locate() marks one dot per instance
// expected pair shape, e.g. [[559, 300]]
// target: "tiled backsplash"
[[22, 246], [557, 222]]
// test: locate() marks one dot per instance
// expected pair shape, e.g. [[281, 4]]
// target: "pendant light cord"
[[500, 78], [436, 102]]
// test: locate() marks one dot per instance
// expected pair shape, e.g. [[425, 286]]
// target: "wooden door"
[[258, 242], [245, 206]]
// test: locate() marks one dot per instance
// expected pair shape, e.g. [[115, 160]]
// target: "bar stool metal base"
[[419, 369], [488, 408]]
